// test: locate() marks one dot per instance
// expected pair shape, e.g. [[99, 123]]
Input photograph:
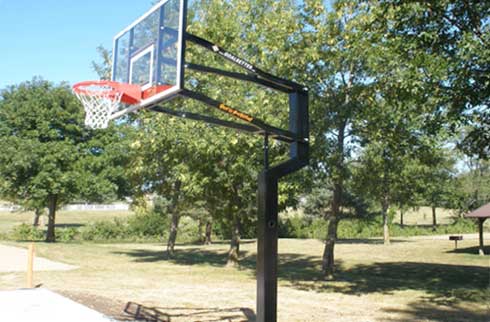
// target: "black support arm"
[[285, 84], [274, 132], [239, 76], [215, 121]]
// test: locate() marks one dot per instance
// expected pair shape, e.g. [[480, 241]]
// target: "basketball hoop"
[[101, 99]]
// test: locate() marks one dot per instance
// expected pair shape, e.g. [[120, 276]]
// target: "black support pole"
[[267, 248], [267, 232]]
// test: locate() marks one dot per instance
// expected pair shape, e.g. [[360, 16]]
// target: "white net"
[[99, 102]]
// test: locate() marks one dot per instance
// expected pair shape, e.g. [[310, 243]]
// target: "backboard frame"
[[175, 89]]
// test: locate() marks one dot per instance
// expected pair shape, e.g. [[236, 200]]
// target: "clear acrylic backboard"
[[150, 52]]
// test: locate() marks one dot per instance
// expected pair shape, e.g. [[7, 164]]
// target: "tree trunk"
[[481, 251], [38, 212], [328, 263], [209, 230], [174, 225], [172, 237], [200, 235], [401, 217], [434, 219], [386, 229], [234, 252], [52, 204]]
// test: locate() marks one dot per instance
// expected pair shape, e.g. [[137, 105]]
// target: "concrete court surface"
[[14, 259], [41, 305]]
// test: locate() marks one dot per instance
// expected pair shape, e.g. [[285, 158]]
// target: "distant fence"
[[9, 208], [97, 207], [121, 206]]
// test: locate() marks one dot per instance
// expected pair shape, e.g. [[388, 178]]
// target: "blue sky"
[[57, 39]]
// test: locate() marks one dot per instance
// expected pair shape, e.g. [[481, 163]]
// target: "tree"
[[47, 155], [103, 68], [449, 41], [473, 185], [439, 181], [375, 179], [249, 29], [168, 159], [38, 208], [334, 46], [407, 193]]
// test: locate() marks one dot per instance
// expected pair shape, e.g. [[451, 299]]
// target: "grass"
[[422, 279], [63, 218], [409, 280], [422, 216]]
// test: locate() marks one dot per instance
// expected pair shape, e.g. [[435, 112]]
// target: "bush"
[[299, 227], [25, 232], [66, 234], [105, 230], [151, 224], [188, 230], [359, 228], [304, 227]]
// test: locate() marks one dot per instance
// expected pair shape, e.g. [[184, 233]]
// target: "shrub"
[[66, 234], [359, 228], [188, 230], [284, 228], [304, 227], [25, 232], [104, 230], [318, 228], [150, 224]]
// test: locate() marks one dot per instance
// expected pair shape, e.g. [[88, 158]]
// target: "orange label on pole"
[[236, 113]]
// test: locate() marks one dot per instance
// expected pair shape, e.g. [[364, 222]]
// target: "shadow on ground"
[[187, 256], [471, 250], [443, 283], [227, 242], [139, 312], [428, 312], [370, 241], [291, 266], [132, 311]]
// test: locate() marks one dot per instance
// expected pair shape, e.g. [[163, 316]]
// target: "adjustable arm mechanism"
[[297, 135]]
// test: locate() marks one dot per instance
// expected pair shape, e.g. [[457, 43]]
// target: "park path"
[[14, 259]]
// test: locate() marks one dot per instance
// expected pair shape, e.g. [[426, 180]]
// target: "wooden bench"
[[456, 238]]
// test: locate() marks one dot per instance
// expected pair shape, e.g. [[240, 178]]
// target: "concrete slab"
[[14, 259], [41, 305]]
